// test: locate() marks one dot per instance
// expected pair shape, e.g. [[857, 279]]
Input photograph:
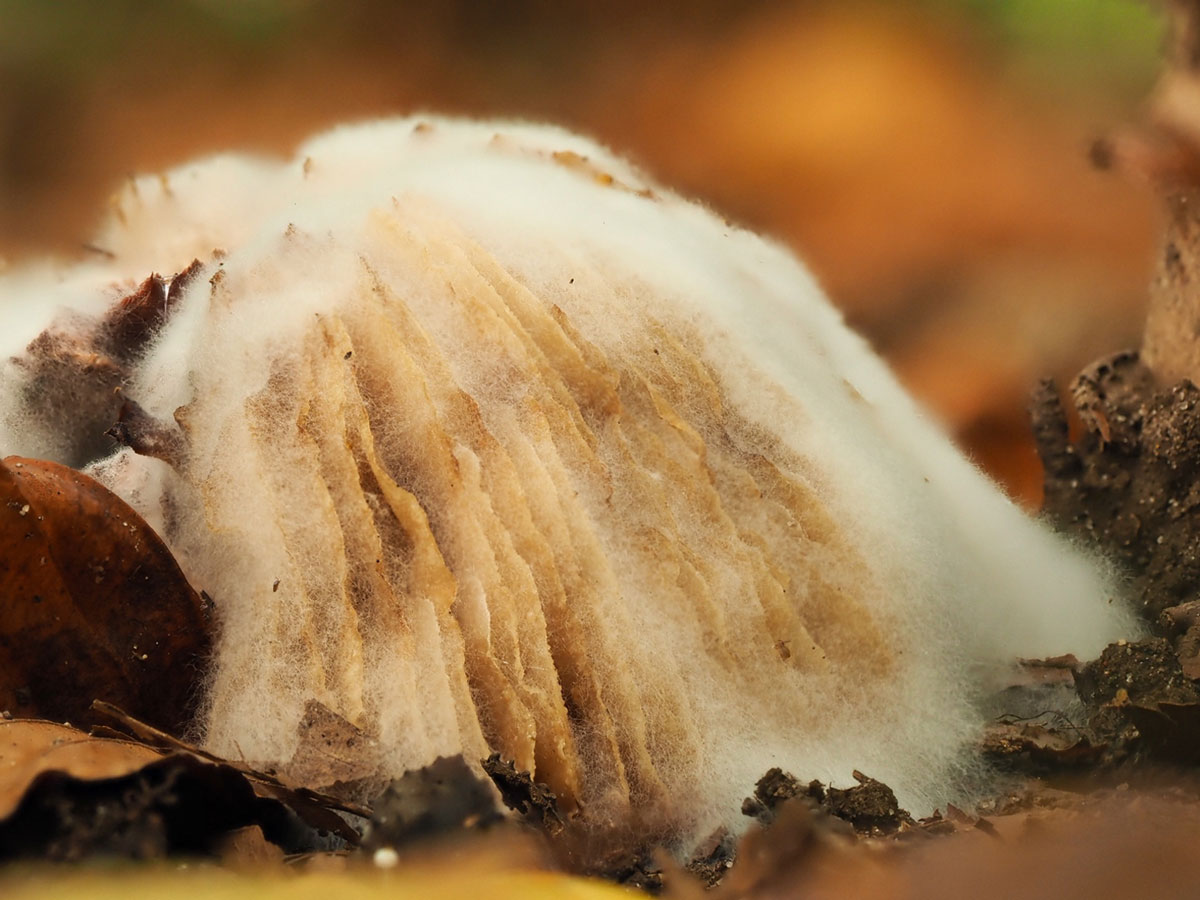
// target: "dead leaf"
[[95, 604], [1033, 746], [29, 747], [332, 751], [314, 808], [67, 795]]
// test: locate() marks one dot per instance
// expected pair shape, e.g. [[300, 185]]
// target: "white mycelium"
[[549, 461]]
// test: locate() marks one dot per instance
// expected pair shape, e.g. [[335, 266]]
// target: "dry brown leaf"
[[95, 604], [68, 795], [314, 808], [332, 750], [31, 747]]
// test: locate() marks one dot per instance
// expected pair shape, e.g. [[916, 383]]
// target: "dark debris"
[[443, 798], [535, 802], [1130, 483], [870, 807], [179, 805]]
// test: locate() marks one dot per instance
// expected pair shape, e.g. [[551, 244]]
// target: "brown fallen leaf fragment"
[[134, 320], [29, 747], [94, 604], [316, 809], [334, 754], [176, 805], [147, 436], [72, 372], [65, 795], [72, 383]]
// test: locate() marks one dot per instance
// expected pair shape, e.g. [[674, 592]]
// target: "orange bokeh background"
[[944, 199]]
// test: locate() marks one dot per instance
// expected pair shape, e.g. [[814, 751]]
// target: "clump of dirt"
[[1130, 483], [713, 858], [773, 789], [639, 872], [1135, 672], [870, 807]]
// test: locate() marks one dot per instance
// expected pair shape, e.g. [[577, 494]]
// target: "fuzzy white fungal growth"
[[491, 445]]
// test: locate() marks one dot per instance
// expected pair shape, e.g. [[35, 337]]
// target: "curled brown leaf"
[[92, 603]]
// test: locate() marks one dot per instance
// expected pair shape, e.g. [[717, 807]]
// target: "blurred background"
[[928, 158]]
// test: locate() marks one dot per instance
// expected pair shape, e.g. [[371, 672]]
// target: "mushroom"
[[485, 442]]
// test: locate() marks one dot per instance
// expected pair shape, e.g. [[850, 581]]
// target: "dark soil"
[[1141, 672], [1128, 484]]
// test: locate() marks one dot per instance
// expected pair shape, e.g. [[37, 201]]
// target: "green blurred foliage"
[[1115, 41], [1103, 46]]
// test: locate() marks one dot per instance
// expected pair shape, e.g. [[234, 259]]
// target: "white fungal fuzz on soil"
[[492, 445]]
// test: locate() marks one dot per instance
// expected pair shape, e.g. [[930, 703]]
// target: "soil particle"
[[1141, 672], [776, 787], [1143, 704], [642, 873], [870, 807], [713, 858]]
